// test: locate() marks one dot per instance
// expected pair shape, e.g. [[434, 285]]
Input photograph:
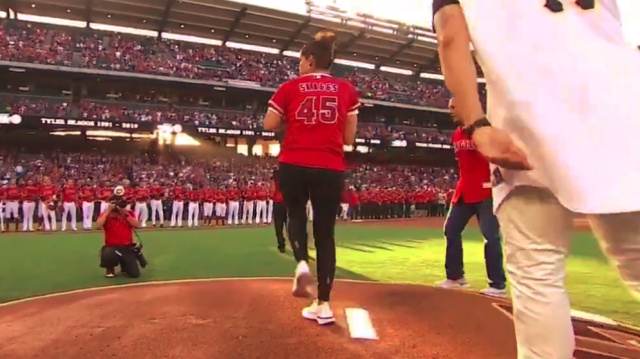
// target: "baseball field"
[[387, 267]]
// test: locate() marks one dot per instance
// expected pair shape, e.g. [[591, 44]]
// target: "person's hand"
[[500, 149]]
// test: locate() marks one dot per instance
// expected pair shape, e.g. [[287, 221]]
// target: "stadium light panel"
[[363, 65], [395, 70], [122, 29], [3, 14], [187, 38], [51, 20], [291, 53], [268, 50]]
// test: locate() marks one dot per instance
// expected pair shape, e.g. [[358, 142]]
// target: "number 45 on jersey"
[[314, 109]]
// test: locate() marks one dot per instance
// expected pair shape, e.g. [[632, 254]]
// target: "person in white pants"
[[88, 194], [12, 206], [261, 204], [157, 193], [194, 197], [30, 193], [178, 206], [1, 216], [221, 209], [247, 207], [269, 210], [234, 206], [47, 206], [69, 199], [208, 197], [142, 210]]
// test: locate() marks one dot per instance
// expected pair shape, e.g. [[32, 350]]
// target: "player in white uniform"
[[562, 86]]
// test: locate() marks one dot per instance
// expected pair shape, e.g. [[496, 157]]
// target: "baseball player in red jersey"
[[157, 192], [129, 193], [194, 196], [177, 194], [344, 204], [261, 194], [103, 194], [142, 198], [233, 195], [3, 199], [69, 195], [249, 195], [221, 205], [47, 204], [88, 196], [208, 198], [319, 114], [30, 194], [13, 194]]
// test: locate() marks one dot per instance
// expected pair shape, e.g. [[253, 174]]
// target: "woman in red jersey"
[[319, 115]]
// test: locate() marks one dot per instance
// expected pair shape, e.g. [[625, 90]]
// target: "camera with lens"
[[117, 198], [137, 250]]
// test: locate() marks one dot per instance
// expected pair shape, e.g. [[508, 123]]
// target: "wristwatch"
[[483, 122]]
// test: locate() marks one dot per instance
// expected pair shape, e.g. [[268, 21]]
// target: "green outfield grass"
[[46, 263]]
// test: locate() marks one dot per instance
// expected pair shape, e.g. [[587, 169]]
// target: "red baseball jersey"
[[178, 193], [104, 193], [156, 192], [13, 193], [249, 194], [3, 193], [142, 194], [261, 194], [47, 192], [31, 193], [208, 195], [233, 194], [194, 196], [314, 108], [221, 196], [88, 194], [69, 194], [475, 176]]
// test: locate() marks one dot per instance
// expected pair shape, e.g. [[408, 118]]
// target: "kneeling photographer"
[[119, 247]]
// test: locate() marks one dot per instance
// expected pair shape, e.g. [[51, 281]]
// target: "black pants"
[[111, 257], [279, 221], [323, 187]]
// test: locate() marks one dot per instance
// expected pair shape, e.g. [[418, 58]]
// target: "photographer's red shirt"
[[314, 108], [117, 230]]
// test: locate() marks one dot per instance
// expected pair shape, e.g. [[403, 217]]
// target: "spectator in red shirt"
[[119, 247], [29, 196], [320, 117]]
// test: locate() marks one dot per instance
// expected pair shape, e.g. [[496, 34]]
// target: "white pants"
[[537, 230], [11, 209], [87, 214], [194, 211], [207, 208], [69, 208], [261, 209], [156, 207], [247, 212], [1, 217], [221, 209], [48, 217], [269, 211], [309, 211], [142, 213], [344, 210], [27, 215], [103, 206], [234, 206], [176, 214]]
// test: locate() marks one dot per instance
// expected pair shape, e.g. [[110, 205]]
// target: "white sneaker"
[[453, 284], [302, 281], [320, 312], [494, 292]]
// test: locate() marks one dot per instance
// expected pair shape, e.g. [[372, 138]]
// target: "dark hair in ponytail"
[[321, 49]]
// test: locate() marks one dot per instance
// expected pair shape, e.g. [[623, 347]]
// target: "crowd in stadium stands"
[[36, 43], [81, 184], [103, 110]]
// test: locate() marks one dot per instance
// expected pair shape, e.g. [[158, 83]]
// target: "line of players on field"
[[219, 205]]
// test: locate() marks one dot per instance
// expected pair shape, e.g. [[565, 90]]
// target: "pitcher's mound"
[[230, 319]]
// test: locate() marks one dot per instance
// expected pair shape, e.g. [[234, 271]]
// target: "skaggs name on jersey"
[[464, 145], [318, 87]]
